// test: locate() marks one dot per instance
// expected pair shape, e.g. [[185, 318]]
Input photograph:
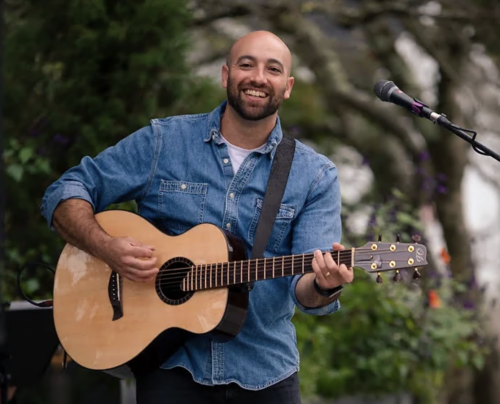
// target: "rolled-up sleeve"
[[318, 226], [120, 173]]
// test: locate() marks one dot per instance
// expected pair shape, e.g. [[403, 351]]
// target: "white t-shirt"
[[237, 154]]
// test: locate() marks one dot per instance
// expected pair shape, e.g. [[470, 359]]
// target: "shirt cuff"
[[316, 311], [70, 190]]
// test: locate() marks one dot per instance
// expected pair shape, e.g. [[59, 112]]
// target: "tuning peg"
[[398, 238], [397, 276], [416, 238], [416, 274], [380, 237], [379, 278]]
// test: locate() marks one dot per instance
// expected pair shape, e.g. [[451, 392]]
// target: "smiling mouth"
[[256, 93]]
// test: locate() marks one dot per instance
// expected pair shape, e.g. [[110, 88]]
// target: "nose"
[[259, 76]]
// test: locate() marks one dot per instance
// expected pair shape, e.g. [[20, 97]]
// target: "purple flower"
[[441, 189], [424, 155], [61, 139]]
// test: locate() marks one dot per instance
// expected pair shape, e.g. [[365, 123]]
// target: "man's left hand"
[[328, 273]]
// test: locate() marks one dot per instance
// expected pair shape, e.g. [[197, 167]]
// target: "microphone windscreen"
[[382, 89]]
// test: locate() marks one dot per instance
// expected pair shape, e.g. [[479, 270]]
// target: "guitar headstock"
[[378, 256]]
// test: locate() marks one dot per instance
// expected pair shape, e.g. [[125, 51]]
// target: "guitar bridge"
[[114, 293]]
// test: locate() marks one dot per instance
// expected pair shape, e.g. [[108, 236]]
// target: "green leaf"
[[15, 171], [25, 154]]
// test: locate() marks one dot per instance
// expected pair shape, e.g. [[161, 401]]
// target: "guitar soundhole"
[[169, 280]]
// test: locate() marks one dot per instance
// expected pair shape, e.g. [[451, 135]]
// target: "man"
[[186, 170]]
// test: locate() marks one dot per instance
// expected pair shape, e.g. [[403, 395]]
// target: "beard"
[[253, 112]]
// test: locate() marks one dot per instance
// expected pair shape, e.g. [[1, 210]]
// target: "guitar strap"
[[275, 189]]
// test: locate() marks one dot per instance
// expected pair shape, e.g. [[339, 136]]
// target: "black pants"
[[176, 386]]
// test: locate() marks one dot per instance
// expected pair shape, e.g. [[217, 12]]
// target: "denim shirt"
[[179, 172]]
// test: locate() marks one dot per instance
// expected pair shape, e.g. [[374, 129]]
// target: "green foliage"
[[392, 337], [79, 77], [385, 339]]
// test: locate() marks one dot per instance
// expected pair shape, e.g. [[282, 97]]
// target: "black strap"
[[275, 189]]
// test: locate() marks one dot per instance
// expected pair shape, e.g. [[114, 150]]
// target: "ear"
[[288, 89], [224, 75]]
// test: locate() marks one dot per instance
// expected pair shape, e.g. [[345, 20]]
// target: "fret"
[[191, 275], [196, 277], [265, 267], [249, 268], [293, 268], [228, 264], [211, 275], [257, 269], [303, 266], [352, 257], [274, 262], [234, 273], [283, 266], [338, 257], [241, 272], [216, 265], [221, 274]]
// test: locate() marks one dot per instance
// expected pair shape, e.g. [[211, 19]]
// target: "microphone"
[[388, 91]]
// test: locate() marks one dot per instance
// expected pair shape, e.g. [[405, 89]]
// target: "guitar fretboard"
[[208, 276]]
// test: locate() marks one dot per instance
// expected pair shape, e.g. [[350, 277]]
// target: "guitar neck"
[[208, 276]]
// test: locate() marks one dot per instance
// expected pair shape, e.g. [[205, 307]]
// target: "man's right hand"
[[130, 258]]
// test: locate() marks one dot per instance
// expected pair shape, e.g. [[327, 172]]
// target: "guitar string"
[[278, 260], [175, 277], [166, 279], [345, 258], [296, 258], [297, 261]]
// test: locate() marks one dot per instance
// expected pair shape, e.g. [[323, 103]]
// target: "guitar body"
[[109, 323]]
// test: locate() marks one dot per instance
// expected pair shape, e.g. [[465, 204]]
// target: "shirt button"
[[228, 225], [183, 186], [226, 161], [231, 195]]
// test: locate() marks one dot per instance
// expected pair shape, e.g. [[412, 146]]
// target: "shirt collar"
[[213, 130]]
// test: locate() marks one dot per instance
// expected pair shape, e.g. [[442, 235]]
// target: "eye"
[[275, 69], [245, 65]]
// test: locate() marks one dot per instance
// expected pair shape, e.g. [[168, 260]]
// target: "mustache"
[[257, 86]]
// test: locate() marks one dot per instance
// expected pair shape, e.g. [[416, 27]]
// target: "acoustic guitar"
[[109, 323]]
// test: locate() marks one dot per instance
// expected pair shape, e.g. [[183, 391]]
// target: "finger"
[[317, 268], [346, 273], [330, 263], [138, 251], [144, 264], [338, 247]]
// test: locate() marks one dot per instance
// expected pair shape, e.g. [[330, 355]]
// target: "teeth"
[[255, 93]]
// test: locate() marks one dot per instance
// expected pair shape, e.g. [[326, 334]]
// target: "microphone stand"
[[441, 120]]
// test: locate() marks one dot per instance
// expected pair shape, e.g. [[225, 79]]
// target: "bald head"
[[261, 42]]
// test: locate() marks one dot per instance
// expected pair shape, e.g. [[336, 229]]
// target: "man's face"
[[256, 79]]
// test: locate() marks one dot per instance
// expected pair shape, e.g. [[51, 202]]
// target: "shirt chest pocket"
[[284, 217], [181, 204]]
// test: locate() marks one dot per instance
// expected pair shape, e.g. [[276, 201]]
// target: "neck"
[[207, 276], [244, 133]]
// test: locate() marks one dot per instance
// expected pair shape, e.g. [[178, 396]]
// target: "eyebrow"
[[253, 59]]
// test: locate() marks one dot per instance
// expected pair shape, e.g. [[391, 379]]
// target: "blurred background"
[[81, 75]]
